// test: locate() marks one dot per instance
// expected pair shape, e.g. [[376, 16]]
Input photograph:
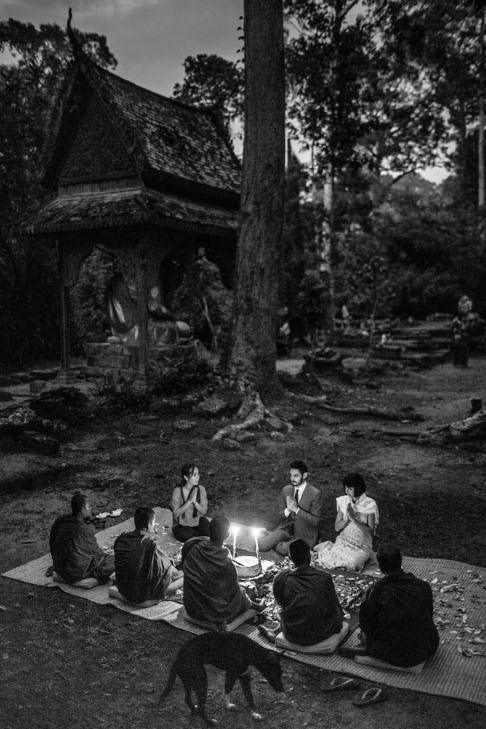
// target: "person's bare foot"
[[267, 633]]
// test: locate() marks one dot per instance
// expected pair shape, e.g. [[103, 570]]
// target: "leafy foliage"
[[205, 302], [183, 371], [118, 397], [313, 299], [352, 97], [441, 41], [90, 320], [28, 274], [212, 82]]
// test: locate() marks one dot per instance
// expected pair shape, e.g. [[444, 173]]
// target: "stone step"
[[426, 359]]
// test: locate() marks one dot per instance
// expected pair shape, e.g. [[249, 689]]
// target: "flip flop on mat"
[[370, 696], [340, 683]]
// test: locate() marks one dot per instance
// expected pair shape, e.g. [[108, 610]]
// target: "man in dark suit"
[[300, 506]]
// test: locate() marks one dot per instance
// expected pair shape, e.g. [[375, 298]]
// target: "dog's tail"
[[170, 684]]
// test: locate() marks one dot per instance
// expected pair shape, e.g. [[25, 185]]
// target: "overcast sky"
[[150, 38]]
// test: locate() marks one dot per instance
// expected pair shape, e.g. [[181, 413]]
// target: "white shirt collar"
[[300, 488]]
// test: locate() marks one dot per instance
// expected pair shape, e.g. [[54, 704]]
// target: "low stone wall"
[[121, 359]]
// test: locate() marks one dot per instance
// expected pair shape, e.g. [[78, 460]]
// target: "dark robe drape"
[[75, 552], [211, 589], [142, 567], [310, 608], [397, 618]]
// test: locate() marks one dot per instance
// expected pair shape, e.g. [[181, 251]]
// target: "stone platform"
[[122, 360]]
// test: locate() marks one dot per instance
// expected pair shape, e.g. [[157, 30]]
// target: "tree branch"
[[347, 8]]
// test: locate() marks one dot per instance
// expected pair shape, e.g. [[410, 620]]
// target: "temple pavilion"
[[141, 177]]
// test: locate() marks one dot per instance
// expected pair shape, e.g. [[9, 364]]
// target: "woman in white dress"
[[356, 521]]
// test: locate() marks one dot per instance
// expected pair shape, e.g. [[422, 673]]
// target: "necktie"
[[296, 496]]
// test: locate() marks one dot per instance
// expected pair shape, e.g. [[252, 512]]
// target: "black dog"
[[232, 653]]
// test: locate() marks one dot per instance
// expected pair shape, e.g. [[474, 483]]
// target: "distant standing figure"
[[397, 616], [300, 506], [75, 552], [189, 506], [460, 332], [346, 317], [356, 520]]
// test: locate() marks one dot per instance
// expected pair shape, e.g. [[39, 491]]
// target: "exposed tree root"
[[251, 410], [312, 399], [399, 433], [460, 430], [364, 410], [269, 414]]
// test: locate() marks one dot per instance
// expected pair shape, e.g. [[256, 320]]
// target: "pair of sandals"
[[371, 696]]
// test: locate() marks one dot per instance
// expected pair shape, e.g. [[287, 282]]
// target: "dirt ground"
[[65, 662]]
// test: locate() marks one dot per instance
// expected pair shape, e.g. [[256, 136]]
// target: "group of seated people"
[[396, 616], [300, 512]]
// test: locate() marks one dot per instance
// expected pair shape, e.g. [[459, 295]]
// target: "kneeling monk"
[[143, 570], [310, 609], [75, 552], [397, 616], [211, 590]]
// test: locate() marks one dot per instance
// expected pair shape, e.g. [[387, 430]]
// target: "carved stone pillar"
[[142, 315], [65, 373], [70, 258]]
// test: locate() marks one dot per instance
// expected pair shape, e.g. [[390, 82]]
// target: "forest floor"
[[66, 662]]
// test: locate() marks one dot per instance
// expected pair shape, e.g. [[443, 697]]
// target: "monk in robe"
[[143, 570], [397, 616], [211, 590], [310, 609], [75, 552]]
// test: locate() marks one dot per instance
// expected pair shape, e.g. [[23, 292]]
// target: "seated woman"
[[189, 506], [309, 608], [356, 520]]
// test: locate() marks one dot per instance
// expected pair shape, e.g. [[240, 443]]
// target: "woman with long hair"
[[190, 505]]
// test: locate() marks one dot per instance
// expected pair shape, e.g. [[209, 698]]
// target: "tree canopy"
[[28, 86]]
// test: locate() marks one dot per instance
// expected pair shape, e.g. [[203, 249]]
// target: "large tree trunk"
[[253, 348], [481, 180]]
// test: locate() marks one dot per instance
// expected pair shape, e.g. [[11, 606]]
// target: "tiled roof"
[[169, 138], [177, 139], [121, 208]]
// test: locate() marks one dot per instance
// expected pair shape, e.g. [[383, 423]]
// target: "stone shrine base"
[[122, 360]]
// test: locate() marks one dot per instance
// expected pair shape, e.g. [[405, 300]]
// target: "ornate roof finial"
[[76, 45]]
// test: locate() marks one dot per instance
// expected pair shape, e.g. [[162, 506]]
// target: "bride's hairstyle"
[[354, 481]]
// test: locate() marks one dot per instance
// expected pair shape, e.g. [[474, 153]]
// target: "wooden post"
[[65, 373], [142, 317]]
